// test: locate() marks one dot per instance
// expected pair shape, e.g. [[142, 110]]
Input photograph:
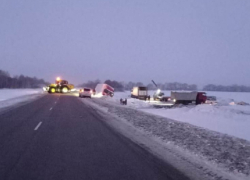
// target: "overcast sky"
[[192, 41]]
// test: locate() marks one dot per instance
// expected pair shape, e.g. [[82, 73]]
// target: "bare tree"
[[19, 81]]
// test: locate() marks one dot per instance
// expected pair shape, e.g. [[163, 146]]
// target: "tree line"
[[231, 88], [127, 86], [124, 86], [6, 81]]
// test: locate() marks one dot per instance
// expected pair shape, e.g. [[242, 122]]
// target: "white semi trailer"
[[140, 93], [188, 97]]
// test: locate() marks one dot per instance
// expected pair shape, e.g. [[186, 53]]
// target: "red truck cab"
[[201, 98], [104, 90]]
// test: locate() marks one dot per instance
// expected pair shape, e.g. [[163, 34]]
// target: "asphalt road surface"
[[57, 137]]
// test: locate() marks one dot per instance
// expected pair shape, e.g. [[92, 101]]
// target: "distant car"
[[85, 92]]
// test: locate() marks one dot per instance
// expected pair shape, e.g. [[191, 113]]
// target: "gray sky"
[[193, 41]]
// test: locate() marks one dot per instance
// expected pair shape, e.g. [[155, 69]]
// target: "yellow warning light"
[[58, 78]]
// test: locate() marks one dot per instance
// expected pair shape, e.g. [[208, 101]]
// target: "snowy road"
[[59, 137]]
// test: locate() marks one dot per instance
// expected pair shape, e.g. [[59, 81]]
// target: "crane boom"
[[154, 83]]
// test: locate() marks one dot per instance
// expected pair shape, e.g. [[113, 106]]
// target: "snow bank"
[[232, 120], [235, 96], [132, 102], [221, 150], [225, 117], [6, 94], [10, 97]]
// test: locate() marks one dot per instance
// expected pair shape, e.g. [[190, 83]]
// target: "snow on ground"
[[189, 127], [236, 96], [222, 117], [230, 120], [10, 97], [217, 149], [13, 93]]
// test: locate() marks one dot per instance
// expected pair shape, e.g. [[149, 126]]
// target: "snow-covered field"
[[213, 154], [13, 93], [9, 97], [188, 128], [225, 117]]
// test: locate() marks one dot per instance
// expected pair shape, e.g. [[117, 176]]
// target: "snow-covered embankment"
[[229, 153], [225, 117], [10, 97]]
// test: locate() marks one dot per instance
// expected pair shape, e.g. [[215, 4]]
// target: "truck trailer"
[[104, 90], [188, 97], [140, 93]]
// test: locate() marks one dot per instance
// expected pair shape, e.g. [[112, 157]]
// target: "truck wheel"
[[64, 90], [52, 90]]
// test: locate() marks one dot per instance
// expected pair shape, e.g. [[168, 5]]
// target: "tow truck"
[[60, 86], [159, 95]]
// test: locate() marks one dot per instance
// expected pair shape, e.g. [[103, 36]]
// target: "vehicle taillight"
[[91, 92]]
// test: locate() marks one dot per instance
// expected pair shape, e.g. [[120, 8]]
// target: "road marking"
[[39, 124], [51, 108]]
